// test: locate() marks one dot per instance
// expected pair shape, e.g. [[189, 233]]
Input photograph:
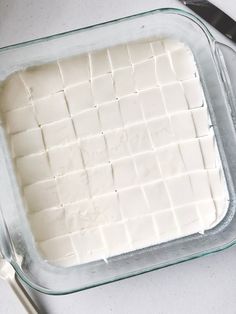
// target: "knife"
[[214, 16]]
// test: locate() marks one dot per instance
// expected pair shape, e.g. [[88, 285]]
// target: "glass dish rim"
[[113, 21], [212, 42]]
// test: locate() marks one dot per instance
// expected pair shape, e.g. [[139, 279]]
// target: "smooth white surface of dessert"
[[114, 150]]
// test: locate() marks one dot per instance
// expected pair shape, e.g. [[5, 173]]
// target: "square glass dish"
[[17, 243]]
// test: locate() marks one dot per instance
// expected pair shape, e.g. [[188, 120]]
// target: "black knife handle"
[[214, 16]]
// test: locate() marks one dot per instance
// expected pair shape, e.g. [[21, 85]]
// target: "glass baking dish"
[[16, 241]]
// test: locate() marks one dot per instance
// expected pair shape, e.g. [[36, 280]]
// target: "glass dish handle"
[[7, 273], [227, 62]]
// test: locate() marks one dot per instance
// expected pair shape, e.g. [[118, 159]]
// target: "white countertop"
[[205, 285]]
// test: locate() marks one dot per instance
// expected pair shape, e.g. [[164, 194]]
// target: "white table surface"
[[202, 286]]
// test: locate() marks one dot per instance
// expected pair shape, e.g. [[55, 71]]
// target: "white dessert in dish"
[[114, 150]]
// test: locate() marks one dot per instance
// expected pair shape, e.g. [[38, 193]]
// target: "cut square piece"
[[28, 142], [132, 203], [183, 63], [166, 225], [152, 103], [100, 180], [124, 173], [123, 81], [138, 138], [107, 208], [33, 168], [41, 195], [174, 98], [148, 169], [221, 204], [180, 190], [200, 185], [208, 149], [157, 196], [80, 216], [192, 155], [117, 144], [193, 93], [109, 115], [201, 121], [170, 160], [217, 184], [164, 71], [188, 219], [39, 87], [144, 75], [94, 151], [116, 238], [102, 88], [119, 56], [51, 109], [59, 133], [157, 47], [142, 232], [89, 245], [183, 125], [73, 187], [75, 69], [87, 123], [130, 109], [13, 93], [53, 222], [99, 62], [207, 213], [171, 44], [139, 51], [57, 248], [65, 159], [161, 131], [79, 97], [20, 120]]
